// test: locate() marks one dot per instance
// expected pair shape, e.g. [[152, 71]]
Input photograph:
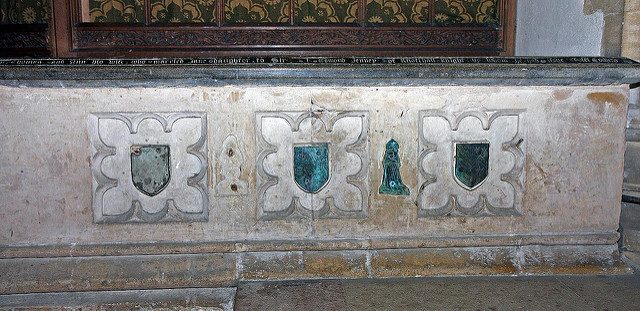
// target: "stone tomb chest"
[[132, 174]]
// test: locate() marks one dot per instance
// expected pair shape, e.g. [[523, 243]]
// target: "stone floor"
[[468, 293], [463, 293]]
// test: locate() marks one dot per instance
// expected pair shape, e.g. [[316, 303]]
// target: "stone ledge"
[[406, 71], [30, 275], [209, 299]]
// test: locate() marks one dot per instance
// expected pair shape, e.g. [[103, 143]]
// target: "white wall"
[[558, 28]]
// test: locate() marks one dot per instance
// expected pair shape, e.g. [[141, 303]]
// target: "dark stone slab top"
[[320, 71]]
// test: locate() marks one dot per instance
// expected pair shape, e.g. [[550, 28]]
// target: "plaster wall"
[[558, 28]]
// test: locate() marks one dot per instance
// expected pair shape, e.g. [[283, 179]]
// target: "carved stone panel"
[[149, 167], [312, 164], [471, 163]]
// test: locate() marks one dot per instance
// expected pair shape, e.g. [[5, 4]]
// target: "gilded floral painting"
[[24, 11], [257, 11], [183, 11], [116, 11], [305, 12], [326, 11], [397, 11], [450, 12], [445, 12]]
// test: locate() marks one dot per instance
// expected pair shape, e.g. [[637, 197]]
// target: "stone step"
[[206, 299]]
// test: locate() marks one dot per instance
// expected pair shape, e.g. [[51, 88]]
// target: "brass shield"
[[311, 167], [150, 168], [471, 164]]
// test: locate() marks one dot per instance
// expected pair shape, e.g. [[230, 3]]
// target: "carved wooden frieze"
[[312, 164], [471, 163], [24, 40], [149, 167]]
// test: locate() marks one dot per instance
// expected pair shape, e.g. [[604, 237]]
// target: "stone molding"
[[274, 71], [32, 275], [159, 248]]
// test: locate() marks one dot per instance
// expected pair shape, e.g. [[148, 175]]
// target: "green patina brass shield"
[[150, 168], [472, 164], [311, 167]]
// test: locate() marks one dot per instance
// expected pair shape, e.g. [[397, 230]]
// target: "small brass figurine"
[[391, 180]]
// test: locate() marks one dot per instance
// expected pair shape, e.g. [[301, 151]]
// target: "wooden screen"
[[199, 28], [143, 28]]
